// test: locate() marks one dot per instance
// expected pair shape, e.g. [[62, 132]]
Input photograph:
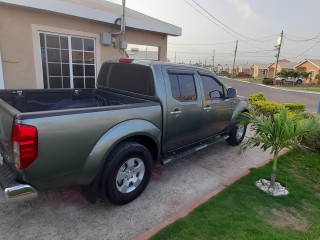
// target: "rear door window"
[[183, 87]]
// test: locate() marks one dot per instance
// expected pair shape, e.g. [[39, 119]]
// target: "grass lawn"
[[312, 88], [242, 211]]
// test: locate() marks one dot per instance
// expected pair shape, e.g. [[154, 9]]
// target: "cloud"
[[244, 8]]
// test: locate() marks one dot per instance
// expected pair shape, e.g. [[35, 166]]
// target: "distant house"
[[138, 54], [243, 68], [228, 69], [259, 70], [62, 43], [218, 68], [283, 64], [312, 66]]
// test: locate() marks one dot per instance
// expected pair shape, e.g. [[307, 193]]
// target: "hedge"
[[260, 105]]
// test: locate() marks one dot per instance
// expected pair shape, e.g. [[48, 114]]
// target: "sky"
[[210, 26]]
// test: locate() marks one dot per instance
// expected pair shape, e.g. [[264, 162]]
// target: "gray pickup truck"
[[107, 139]]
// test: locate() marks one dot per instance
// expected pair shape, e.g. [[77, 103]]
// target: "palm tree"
[[277, 133]]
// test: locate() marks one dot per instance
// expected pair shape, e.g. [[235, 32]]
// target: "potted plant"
[[281, 131]]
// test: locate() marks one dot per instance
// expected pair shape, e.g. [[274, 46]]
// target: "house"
[[243, 68], [227, 68], [218, 68], [310, 66], [138, 54], [62, 43], [259, 70], [283, 64]]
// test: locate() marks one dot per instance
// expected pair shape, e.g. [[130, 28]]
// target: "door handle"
[[176, 111], [207, 108]]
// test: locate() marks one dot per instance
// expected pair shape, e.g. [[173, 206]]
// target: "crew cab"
[[107, 139]]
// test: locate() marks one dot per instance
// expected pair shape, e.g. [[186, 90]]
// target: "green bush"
[[267, 81], [256, 97], [266, 108], [312, 140], [260, 105], [295, 107]]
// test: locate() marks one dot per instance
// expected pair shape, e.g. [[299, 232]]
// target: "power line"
[[307, 50], [251, 39], [301, 39], [209, 19]]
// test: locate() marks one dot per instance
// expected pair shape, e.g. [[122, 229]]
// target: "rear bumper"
[[14, 191]]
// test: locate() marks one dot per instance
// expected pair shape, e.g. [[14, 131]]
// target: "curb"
[[189, 208]]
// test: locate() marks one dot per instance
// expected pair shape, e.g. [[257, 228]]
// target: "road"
[[311, 100]]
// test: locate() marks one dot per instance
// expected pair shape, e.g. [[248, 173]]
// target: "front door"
[[184, 106], [217, 108]]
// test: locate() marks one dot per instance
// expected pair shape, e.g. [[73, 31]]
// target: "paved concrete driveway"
[[65, 214]]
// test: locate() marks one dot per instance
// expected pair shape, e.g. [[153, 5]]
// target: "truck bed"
[[47, 100]]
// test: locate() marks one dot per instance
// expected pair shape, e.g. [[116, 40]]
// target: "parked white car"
[[293, 80]]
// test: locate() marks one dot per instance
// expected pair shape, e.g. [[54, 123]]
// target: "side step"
[[183, 153]]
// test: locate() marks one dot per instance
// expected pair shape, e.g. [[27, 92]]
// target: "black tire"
[[299, 81], [118, 158], [235, 139]]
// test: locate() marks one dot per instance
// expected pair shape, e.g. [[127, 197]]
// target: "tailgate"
[[7, 115]]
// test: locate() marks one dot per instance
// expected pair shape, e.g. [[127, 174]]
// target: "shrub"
[[266, 108], [267, 81], [260, 105], [295, 107], [256, 97], [312, 140]]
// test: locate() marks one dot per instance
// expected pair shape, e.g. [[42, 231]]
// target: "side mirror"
[[231, 93]]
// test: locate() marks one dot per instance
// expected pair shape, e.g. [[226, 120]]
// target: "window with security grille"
[[68, 61]]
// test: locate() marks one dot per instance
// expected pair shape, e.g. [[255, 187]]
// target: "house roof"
[[244, 66], [285, 64], [313, 61], [150, 55], [102, 11], [261, 65]]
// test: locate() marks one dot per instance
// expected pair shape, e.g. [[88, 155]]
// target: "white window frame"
[[36, 29], [70, 50]]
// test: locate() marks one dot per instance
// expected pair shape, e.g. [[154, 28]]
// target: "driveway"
[[311, 100], [65, 214]]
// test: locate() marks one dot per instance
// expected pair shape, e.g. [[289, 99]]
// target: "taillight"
[[25, 145], [125, 60]]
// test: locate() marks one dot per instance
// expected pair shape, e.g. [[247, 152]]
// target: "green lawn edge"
[[242, 211]]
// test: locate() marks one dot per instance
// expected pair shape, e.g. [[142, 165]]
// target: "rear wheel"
[[299, 81], [237, 134], [127, 172]]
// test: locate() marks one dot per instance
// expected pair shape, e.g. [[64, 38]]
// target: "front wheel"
[[299, 81], [237, 134], [127, 172]]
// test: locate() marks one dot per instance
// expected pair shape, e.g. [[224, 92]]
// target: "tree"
[[304, 74], [277, 133], [283, 73]]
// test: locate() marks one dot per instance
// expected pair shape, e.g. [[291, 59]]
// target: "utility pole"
[[234, 59], [214, 53], [175, 57], [277, 56]]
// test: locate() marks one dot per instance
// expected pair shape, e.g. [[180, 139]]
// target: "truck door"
[[217, 108], [184, 108]]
